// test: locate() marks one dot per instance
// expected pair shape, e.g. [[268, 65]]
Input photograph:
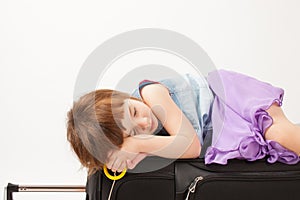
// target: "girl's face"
[[138, 118]]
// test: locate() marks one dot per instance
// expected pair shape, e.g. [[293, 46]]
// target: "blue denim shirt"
[[193, 96]]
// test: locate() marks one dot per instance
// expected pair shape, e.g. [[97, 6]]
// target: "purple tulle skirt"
[[240, 120]]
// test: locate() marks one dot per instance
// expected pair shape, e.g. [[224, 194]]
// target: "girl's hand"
[[126, 157], [132, 163]]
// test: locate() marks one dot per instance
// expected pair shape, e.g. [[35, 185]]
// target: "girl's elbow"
[[195, 149]]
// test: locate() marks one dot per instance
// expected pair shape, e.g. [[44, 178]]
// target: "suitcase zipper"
[[193, 185]]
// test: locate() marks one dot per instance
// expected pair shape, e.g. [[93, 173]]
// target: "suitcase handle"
[[11, 188], [113, 177]]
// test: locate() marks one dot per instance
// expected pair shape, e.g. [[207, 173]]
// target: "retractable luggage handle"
[[11, 188]]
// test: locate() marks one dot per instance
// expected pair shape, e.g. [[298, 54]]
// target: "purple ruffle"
[[277, 152], [239, 120]]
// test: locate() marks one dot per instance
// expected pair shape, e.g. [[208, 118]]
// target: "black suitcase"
[[191, 179]]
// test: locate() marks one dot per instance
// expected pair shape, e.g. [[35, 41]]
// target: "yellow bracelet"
[[113, 178]]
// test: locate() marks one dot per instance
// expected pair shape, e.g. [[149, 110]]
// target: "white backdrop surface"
[[43, 45]]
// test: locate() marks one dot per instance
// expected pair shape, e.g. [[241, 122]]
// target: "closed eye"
[[132, 111]]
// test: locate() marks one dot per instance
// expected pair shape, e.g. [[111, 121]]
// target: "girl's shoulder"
[[172, 84]]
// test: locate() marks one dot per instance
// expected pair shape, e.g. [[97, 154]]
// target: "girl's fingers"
[[117, 160], [111, 160], [122, 166], [132, 163], [117, 164]]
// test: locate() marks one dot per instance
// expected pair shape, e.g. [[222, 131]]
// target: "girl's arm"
[[176, 146], [182, 142]]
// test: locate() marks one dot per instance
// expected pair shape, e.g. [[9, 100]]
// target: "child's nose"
[[143, 122]]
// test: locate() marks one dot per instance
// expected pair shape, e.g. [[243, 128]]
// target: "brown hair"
[[94, 126]]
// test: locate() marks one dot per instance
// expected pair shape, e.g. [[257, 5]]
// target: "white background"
[[43, 45]]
